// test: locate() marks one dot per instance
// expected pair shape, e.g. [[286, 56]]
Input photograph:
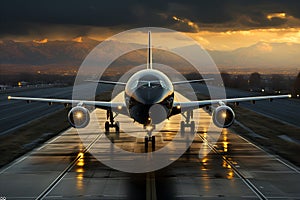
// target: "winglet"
[[149, 60]]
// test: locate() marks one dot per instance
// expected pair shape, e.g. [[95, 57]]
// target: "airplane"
[[144, 90]]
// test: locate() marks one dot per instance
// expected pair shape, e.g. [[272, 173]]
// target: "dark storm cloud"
[[19, 17], [235, 14]]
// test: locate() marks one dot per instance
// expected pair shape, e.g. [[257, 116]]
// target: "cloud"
[[54, 18], [281, 15], [187, 22]]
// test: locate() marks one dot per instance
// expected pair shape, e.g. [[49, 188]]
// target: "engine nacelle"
[[79, 117], [223, 116]]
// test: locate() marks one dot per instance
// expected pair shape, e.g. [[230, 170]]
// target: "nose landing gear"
[[149, 137]]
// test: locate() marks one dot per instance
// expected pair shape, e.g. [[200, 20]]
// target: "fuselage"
[[149, 96]]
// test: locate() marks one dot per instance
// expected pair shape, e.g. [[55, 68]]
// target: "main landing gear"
[[149, 137], [187, 123], [111, 123]]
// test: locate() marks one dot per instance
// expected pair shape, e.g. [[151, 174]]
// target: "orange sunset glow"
[[265, 34]]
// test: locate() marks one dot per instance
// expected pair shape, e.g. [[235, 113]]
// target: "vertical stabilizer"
[[149, 60]]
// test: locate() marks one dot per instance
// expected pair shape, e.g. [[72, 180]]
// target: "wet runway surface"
[[224, 166]]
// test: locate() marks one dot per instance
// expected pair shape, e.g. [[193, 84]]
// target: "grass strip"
[[32, 135]]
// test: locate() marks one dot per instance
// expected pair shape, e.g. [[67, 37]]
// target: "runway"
[[285, 108], [231, 168], [15, 114]]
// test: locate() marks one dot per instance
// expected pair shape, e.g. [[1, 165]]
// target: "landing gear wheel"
[[146, 143], [107, 127], [117, 126], [182, 125], [153, 143], [192, 127]]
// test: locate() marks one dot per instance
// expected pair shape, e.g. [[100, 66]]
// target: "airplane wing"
[[118, 106], [191, 81], [107, 82], [203, 103]]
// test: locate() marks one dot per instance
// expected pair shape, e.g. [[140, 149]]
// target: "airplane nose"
[[149, 96], [157, 113]]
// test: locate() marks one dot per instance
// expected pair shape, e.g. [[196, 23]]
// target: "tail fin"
[[149, 60]]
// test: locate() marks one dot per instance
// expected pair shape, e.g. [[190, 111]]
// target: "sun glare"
[[78, 39]]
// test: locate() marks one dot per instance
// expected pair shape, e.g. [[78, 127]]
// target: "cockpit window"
[[148, 84], [134, 84], [163, 84]]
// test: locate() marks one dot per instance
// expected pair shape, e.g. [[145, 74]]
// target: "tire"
[[153, 143], [117, 127], [192, 127], [146, 143], [182, 128], [107, 127]]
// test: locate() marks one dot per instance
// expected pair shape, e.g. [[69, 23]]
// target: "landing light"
[[224, 115], [119, 107], [178, 107], [78, 115], [148, 128], [9, 97]]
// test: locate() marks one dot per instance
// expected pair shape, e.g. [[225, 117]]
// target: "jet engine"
[[223, 116], [79, 117]]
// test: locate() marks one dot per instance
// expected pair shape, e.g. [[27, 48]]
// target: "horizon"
[[272, 58], [227, 29], [82, 39]]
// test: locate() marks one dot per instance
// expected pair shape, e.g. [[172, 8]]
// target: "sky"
[[215, 24]]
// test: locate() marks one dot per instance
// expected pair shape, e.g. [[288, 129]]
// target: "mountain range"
[[61, 56], [260, 55]]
